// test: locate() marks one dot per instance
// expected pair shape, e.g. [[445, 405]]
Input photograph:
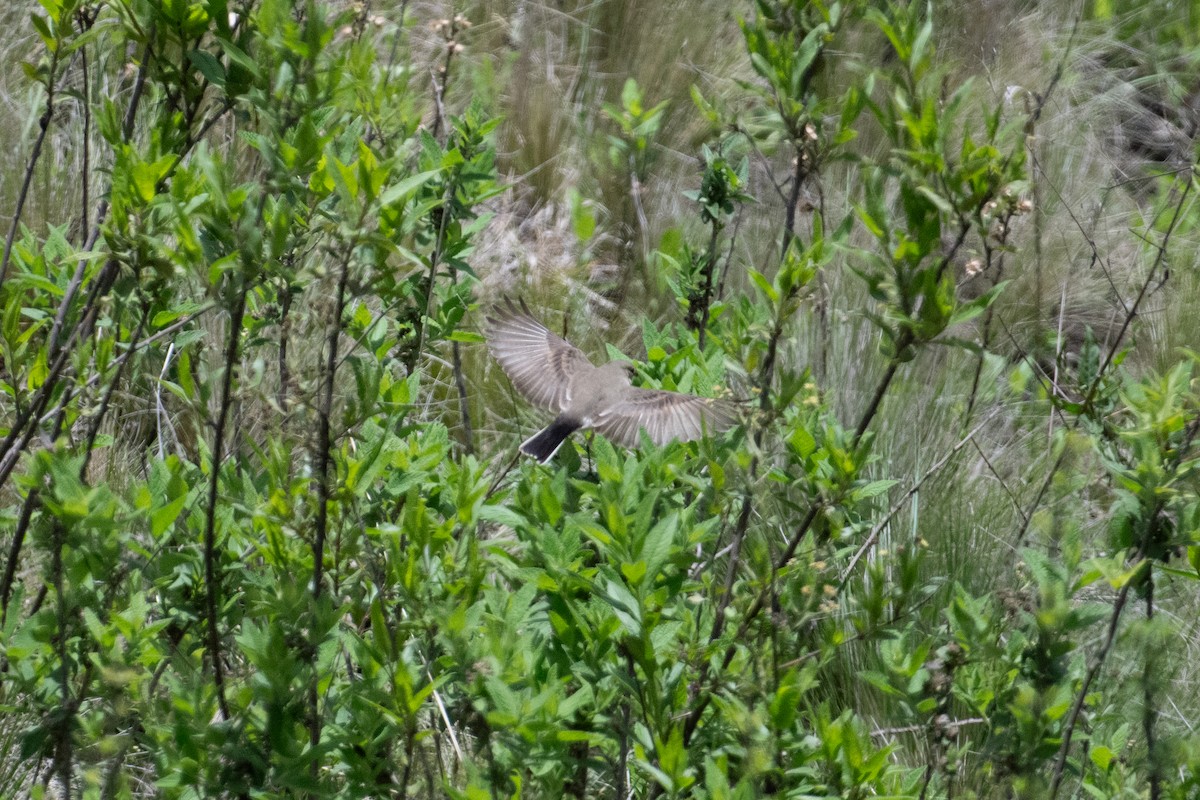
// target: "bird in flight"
[[552, 373]]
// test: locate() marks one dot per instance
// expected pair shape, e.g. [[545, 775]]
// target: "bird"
[[552, 373]]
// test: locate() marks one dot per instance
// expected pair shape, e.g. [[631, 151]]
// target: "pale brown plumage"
[[554, 374]]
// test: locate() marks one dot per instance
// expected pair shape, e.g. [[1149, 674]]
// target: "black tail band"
[[545, 443]]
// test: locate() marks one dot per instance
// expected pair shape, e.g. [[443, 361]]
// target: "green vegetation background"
[[263, 527]]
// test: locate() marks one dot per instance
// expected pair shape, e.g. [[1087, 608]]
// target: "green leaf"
[[406, 187], [549, 503], [238, 56], [978, 305], [802, 441], [505, 701], [943, 205], [147, 174], [501, 515], [164, 318], [879, 681], [764, 285], [657, 547], [633, 573], [1101, 756], [583, 220], [873, 489], [624, 605], [42, 26], [209, 66], [38, 372], [162, 517]]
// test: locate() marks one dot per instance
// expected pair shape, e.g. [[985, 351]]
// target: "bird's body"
[[552, 373], [589, 392]]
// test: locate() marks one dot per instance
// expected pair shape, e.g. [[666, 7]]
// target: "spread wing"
[[665, 416], [537, 362]]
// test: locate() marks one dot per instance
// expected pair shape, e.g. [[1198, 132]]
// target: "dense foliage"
[[264, 528]]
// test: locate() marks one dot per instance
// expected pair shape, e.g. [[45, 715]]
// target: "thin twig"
[[211, 586], [158, 336], [501, 475], [324, 415], [97, 419], [884, 733], [1081, 697], [1003, 485], [706, 299], [31, 163], [437, 699], [869, 542], [86, 17], [1133, 310], [324, 462], [14, 552]]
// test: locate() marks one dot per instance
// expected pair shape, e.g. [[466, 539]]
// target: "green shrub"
[[265, 532]]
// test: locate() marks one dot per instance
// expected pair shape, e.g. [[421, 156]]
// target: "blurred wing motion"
[[665, 416], [537, 362]]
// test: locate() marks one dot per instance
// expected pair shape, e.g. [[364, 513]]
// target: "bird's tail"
[[545, 443]]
